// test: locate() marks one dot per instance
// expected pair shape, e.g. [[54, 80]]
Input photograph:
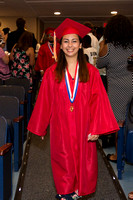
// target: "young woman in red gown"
[[72, 99]]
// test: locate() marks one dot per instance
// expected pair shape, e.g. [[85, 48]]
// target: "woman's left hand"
[[92, 137], [42, 137]]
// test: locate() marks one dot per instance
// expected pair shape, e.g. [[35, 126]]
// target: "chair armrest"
[[18, 119], [5, 148]]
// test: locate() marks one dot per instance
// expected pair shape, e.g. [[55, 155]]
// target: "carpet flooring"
[[36, 181]]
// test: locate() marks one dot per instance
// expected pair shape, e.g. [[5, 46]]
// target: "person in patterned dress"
[[114, 51], [23, 57]]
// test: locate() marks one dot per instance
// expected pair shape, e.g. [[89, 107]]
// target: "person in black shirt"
[[14, 36]]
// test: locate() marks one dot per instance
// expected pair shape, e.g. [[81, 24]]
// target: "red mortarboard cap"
[[104, 24], [49, 30], [69, 26]]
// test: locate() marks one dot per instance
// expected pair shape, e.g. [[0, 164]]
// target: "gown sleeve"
[[40, 117], [102, 119]]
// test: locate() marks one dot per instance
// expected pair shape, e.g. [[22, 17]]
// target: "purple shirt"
[[4, 68]]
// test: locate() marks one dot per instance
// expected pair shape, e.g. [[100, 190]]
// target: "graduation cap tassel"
[[55, 54]]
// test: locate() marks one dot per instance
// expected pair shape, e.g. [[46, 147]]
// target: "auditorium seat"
[[19, 92], [5, 162], [9, 108], [14, 90], [26, 84]]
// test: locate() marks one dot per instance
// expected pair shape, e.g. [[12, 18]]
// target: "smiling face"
[[70, 45]]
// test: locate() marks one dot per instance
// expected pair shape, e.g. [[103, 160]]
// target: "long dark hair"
[[25, 41], [62, 64], [119, 31]]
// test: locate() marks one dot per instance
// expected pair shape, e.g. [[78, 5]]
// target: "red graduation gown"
[[73, 158], [45, 58]]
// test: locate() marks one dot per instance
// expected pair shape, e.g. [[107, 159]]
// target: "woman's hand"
[[121, 123], [5, 59], [92, 137], [42, 137]]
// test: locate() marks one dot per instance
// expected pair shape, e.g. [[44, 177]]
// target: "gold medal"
[[71, 108], [52, 56]]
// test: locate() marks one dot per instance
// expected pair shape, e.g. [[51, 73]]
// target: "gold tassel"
[[55, 53]]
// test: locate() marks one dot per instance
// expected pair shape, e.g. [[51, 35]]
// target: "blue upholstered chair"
[[5, 162], [19, 92], [9, 108], [28, 93]]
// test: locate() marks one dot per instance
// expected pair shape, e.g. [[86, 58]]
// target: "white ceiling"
[[79, 10]]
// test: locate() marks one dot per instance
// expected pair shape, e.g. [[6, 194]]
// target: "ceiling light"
[[114, 12], [57, 13]]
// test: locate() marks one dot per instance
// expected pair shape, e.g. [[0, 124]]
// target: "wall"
[[31, 24]]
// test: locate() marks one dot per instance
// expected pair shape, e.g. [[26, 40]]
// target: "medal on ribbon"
[[72, 94]]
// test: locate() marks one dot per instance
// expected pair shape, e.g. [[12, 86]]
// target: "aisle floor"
[[126, 182], [127, 177]]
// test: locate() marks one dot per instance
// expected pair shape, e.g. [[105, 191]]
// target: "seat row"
[[5, 161], [15, 111], [27, 95]]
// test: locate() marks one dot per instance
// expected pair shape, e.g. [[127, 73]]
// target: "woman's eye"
[[67, 41], [74, 41]]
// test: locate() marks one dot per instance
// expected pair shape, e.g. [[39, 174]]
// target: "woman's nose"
[[69, 43]]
